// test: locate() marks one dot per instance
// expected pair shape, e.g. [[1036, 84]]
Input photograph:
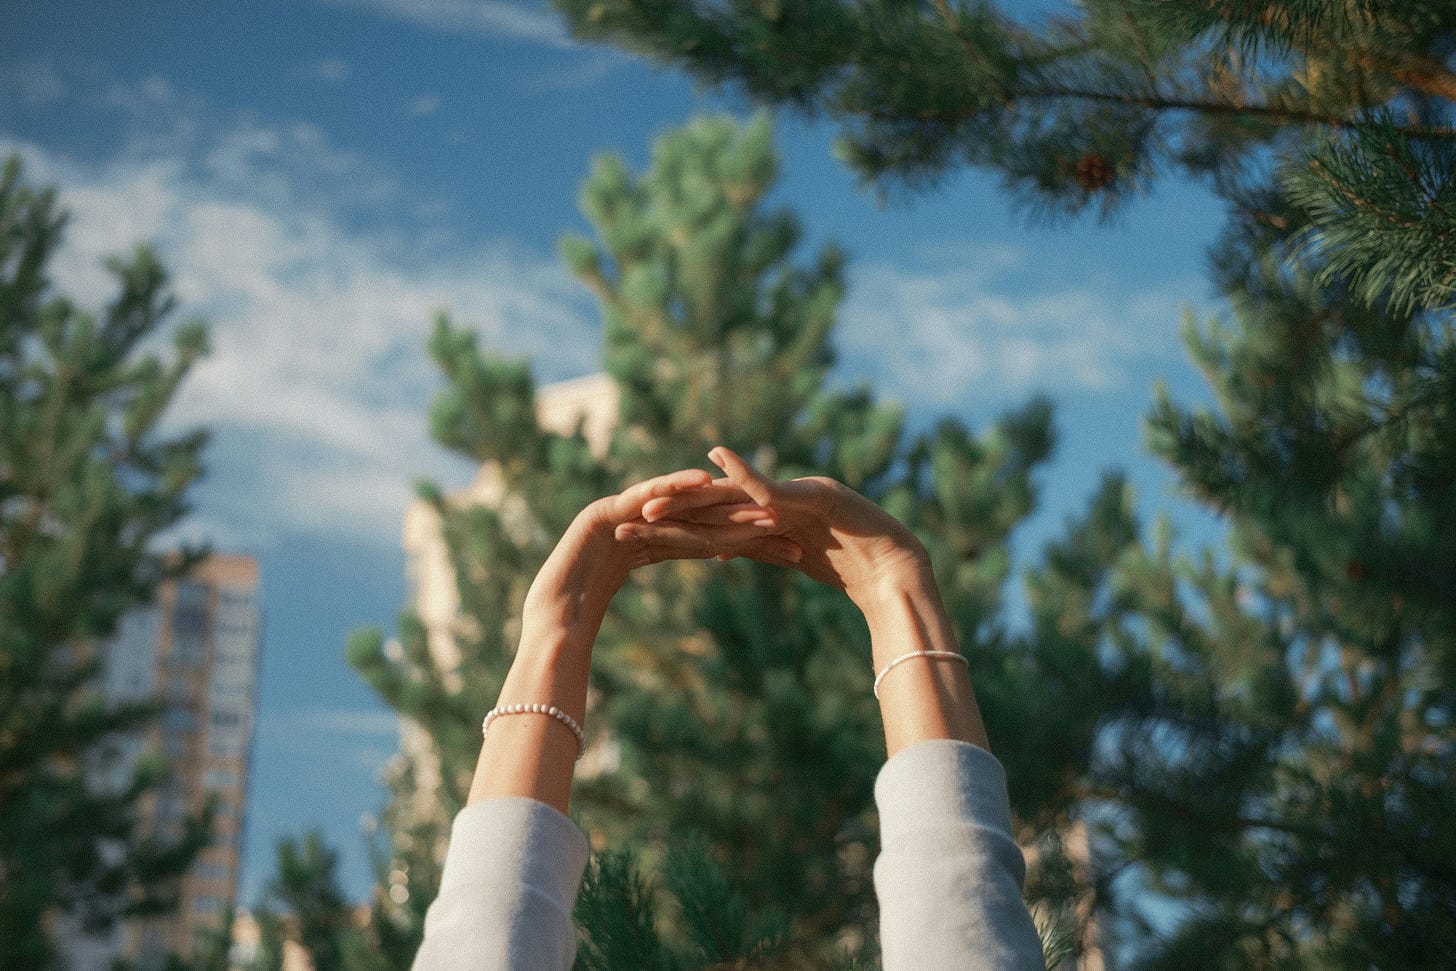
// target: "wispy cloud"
[[318, 384], [332, 70], [333, 721], [360, 739], [495, 18], [589, 70], [425, 104], [953, 328], [143, 98]]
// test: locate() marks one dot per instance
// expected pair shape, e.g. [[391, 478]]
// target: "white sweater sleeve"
[[949, 874], [510, 880]]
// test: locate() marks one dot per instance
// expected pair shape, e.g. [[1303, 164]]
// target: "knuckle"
[[598, 511]]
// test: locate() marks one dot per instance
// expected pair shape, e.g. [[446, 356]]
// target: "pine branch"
[[1159, 102]]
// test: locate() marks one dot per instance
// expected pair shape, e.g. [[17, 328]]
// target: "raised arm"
[[949, 874], [852, 544], [515, 861]]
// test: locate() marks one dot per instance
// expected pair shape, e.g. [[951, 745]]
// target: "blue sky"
[[322, 175]]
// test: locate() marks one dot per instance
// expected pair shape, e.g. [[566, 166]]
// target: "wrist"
[[903, 575], [552, 665], [580, 577]]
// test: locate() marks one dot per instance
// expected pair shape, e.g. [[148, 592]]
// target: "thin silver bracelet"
[[905, 657], [551, 710]]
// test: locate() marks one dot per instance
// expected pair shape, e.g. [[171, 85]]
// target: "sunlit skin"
[[815, 525]]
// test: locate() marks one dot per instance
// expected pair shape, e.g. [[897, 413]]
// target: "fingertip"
[[680, 481]]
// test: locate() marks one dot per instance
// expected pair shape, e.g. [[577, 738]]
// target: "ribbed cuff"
[[521, 836], [939, 781]]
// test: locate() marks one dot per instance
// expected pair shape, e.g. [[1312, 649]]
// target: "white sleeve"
[[949, 874], [511, 875]]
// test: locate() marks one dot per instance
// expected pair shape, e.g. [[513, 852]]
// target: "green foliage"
[[271, 937], [1289, 788], [617, 914], [709, 330], [1079, 109], [87, 483], [1088, 107], [1382, 210], [307, 885], [306, 906], [615, 905]]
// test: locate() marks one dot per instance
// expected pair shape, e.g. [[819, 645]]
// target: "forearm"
[[534, 755], [922, 698]]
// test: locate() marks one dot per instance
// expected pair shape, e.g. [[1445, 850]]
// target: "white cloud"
[[425, 104], [364, 739], [332, 721], [951, 331], [142, 97], [588, 71], [332, 70], [494, 18], [318, 382]]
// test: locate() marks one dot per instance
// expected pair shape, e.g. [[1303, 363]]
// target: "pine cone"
[[1094, 173]]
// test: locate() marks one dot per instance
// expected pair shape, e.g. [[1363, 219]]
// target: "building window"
[[153, 941], [219, 779], [189, 624], [175, 745], [236, 597], [213, 872], [208, 906], [228, 745]]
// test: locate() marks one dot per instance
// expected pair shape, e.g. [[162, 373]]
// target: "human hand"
[[846, 540], [594, 556]]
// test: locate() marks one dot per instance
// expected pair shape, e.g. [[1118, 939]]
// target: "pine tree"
[[1286, 767], [87, 482], [306, 905], [1083, 108], [1293, 786], [730, 700]]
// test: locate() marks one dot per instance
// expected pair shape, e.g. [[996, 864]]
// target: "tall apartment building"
[[197, 649]]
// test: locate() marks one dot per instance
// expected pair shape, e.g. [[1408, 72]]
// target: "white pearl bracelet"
[[905, 657], [551, 710]]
